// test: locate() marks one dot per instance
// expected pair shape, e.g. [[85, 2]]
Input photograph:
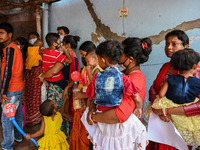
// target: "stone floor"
[[25, 144]]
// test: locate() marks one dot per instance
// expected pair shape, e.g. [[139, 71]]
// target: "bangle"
[[168, 111], [164, 112], [41, 76]]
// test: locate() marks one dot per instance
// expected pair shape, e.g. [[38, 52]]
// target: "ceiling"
[[10, 7]]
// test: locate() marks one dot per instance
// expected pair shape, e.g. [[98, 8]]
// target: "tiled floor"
[[25, 144]]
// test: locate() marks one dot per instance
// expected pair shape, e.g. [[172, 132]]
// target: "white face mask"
[[61, 38], [18, 46], [32, 41]]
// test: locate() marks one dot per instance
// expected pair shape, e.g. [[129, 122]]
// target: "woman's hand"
[[138, 112], [89, 118], [165, 118], [157, 111], [4, 98], [66, 93]]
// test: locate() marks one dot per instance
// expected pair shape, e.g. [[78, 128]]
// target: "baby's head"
[[185, 59], [109, 53], [48, 108], [91, 58]]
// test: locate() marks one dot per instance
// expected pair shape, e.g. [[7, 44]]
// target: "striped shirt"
[[50, 58]]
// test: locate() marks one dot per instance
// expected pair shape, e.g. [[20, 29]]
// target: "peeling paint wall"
[[98, 20]]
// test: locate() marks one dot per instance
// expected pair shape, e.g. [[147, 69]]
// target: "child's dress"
[[54, 138], [182, 93], [108, 87]]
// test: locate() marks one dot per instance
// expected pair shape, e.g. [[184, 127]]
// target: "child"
[[107, 89], [53, 55], [92, 64], [182, 89], [54, 138]]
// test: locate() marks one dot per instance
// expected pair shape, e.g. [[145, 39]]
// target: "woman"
[[136, 52], [32, 90], [175, 40]]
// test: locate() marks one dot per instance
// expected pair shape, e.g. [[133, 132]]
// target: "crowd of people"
[[106, 110]]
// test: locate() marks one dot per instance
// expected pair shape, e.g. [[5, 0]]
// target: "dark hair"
[[46, 108], [64, 28], [137, 48], [72, 40], [23, 42], [87, 46], [34, 33], [52, 37], [185, 59], [181, 35], [110, 49], [7, 27]]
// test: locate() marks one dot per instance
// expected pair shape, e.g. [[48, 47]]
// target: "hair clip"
[[144, 45]]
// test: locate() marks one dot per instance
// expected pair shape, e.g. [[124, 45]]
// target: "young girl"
[[182, 89], [107, 89], [54, 138]]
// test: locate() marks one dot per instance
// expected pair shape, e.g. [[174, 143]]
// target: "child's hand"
[[138, 112], [28, 136], [88, 68], [66, 93], [89, 118]]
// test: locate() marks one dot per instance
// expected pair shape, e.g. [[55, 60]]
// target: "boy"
[[62, 31], [12, 85], [51, 56]]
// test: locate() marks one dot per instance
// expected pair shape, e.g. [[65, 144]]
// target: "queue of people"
[[111, 101]]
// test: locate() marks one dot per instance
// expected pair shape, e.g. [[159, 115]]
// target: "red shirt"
[[50, 58]]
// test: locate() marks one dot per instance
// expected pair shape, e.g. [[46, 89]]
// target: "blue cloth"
[[109, 87], [8, 128], [181, 92]]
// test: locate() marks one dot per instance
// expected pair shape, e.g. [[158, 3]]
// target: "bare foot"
[[68, 117]]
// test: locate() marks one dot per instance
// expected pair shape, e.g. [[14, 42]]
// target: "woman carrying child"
[[182, 89], [107, 88]]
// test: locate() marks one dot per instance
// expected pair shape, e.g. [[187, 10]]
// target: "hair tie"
[[144, 45]]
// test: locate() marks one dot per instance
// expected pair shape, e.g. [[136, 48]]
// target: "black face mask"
[[83, 61]]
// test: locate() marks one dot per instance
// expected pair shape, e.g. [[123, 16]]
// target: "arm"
[[66, 90], [139, 105], [38, 133], [7, 73], [68, 59], [163, 89], [53, 71], [89, 72], [109, 117], [175, 111]]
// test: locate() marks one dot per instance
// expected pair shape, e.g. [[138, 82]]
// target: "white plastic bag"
[[43, 92]]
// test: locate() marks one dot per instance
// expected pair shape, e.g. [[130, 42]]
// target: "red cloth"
[[192, 109], [129, 90], [127, 105], [50, 58], [32, 96], [162, 74]]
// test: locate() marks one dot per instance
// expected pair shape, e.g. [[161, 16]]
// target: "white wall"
[[146, 18]]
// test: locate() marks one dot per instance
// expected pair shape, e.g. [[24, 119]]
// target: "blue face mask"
[[32, 41], [61, 38]]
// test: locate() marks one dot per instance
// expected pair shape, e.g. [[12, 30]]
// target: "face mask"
[[83, 61], [122, 64], [58, 46], [18, 46], [32, 41], [61, 38]]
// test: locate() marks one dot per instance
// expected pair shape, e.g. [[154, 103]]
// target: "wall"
[[147, 18]]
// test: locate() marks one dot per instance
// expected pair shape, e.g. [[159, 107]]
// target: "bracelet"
[[168, 111], [164, 112], [41, 76]]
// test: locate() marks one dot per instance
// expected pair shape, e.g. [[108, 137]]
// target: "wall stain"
[[104, 31]]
